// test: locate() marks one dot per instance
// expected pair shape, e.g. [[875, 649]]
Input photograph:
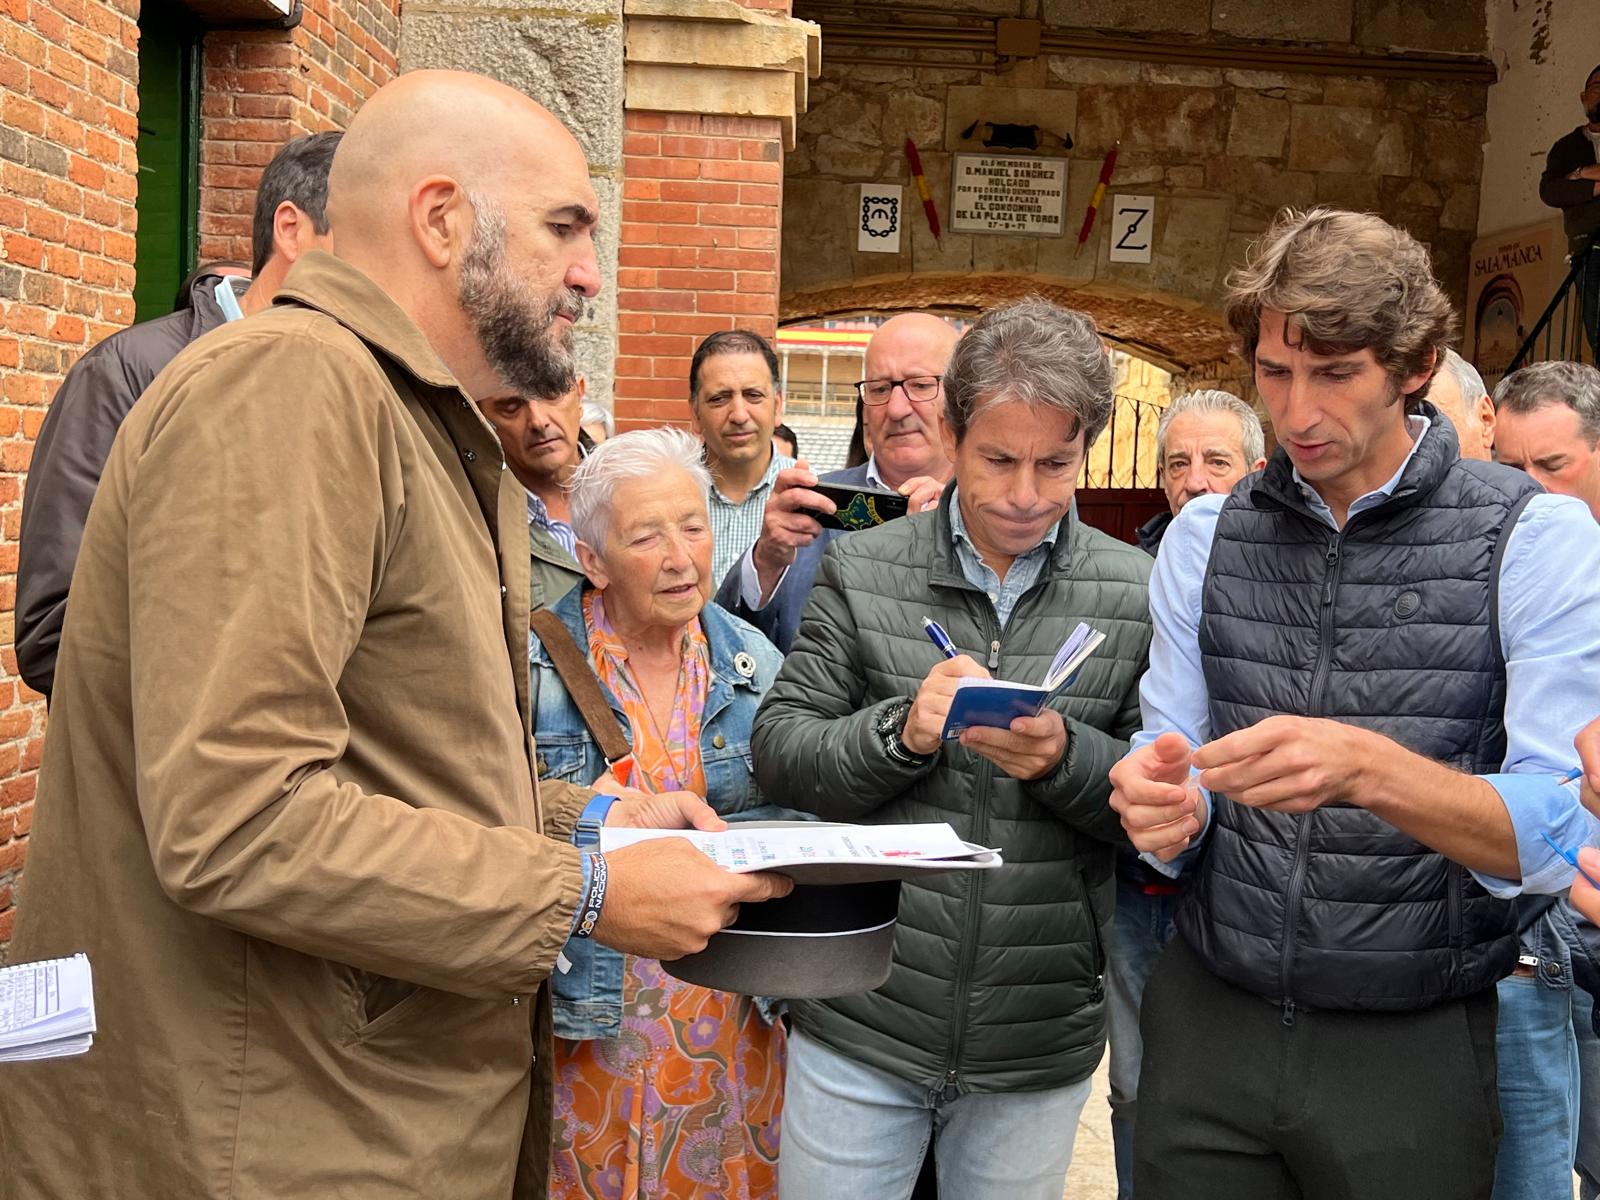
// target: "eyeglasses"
[[919, 388]]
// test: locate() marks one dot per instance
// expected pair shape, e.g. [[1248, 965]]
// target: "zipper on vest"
[[1302, 830], [994, 654]]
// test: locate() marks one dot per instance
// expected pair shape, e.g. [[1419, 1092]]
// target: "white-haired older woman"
[[662, 1088]]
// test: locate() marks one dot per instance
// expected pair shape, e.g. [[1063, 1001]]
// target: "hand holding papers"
[[997, 702], [818, 941], [46, 1009], [816, 852]]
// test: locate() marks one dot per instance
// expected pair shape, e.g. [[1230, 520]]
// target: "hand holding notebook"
[[997, 702]]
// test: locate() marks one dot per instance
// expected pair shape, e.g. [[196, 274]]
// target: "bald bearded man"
[[287, 803]]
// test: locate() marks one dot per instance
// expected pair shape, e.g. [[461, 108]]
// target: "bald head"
[[471, 206], [910, 333], [904, 431], [479, 132]]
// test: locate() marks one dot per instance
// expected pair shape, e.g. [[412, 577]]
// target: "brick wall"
[[68, 182], [261, 89], [700, 205], [68, 72]]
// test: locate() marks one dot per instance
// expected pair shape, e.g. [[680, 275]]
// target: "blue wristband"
[[594, 895], [587, 831]]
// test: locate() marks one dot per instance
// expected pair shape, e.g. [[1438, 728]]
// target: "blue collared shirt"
[[1023, 573], [563, 533], [1549, 632]]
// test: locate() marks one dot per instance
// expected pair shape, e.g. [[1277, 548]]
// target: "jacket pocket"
[[1453, 886], [383, 1002], [563, 759], [1097, 986]]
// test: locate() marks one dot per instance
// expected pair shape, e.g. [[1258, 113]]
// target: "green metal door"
[[169, 155]]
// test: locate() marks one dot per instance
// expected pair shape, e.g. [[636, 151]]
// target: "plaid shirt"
[[735, 527], [539, 515]]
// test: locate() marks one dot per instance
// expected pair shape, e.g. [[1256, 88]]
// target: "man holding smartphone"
[[902, 395]]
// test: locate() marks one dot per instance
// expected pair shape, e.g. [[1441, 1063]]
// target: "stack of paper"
[[814, 851], [46, 1009], [996, 702]]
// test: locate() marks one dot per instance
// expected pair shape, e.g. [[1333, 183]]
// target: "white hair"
[[637, 455], [1468, 380], [593, 414], [1252, 438]]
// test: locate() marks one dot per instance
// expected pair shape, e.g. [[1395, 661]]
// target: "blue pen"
[[939, 637], [1571, 856]]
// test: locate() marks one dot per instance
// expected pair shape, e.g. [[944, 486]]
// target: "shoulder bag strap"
[[582, 685]]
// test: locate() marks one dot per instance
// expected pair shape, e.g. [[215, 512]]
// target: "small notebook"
[[46, 1009], [998, 702]]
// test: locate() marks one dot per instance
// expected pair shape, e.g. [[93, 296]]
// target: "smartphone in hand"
[[858, 507]]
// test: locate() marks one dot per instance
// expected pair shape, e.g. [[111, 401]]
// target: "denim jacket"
[[588, 998]]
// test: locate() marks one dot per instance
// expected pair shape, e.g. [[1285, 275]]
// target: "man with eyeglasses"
[[902, 398]]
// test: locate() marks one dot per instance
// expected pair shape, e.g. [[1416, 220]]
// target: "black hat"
[[833, 935], [816, 942]]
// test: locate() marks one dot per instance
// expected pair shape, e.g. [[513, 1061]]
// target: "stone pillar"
[[567, 56], [712, 91]]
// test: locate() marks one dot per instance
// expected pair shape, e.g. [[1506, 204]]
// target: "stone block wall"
[[68, 79], [567, 56], [261, 89], [1220, 148], [700, 212]]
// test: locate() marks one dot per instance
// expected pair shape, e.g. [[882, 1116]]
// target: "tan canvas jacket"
[[286, 803]]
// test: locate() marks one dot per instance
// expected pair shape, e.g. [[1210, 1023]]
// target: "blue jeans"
[[1588, 1164], [852, 1130], [1140, 930], [1537, 1059]]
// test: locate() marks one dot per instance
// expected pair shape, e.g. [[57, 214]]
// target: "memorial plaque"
[[1008, 194]]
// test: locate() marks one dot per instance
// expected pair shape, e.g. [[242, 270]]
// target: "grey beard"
[[515, 333], [512, 328]]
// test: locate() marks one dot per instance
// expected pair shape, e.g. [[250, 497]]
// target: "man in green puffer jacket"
[[992, 1020]]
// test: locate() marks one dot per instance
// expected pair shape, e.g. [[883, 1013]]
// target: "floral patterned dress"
[[686, 1101]]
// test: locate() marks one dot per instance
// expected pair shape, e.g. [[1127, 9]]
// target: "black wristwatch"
[[889, 726]]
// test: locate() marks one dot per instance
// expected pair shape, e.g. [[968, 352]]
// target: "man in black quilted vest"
[[1369, 664]]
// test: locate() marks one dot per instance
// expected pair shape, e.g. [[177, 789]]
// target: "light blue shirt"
[[1549, 632], [228, 299], [1023, 573]]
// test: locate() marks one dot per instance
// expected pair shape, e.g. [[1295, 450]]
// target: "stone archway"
[[1176, 334]]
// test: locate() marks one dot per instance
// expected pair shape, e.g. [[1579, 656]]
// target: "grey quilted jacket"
[[997, 977]]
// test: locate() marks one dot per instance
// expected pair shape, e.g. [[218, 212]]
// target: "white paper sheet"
[[762, 849]]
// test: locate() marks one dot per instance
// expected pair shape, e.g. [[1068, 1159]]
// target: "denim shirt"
[[588, 998]]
